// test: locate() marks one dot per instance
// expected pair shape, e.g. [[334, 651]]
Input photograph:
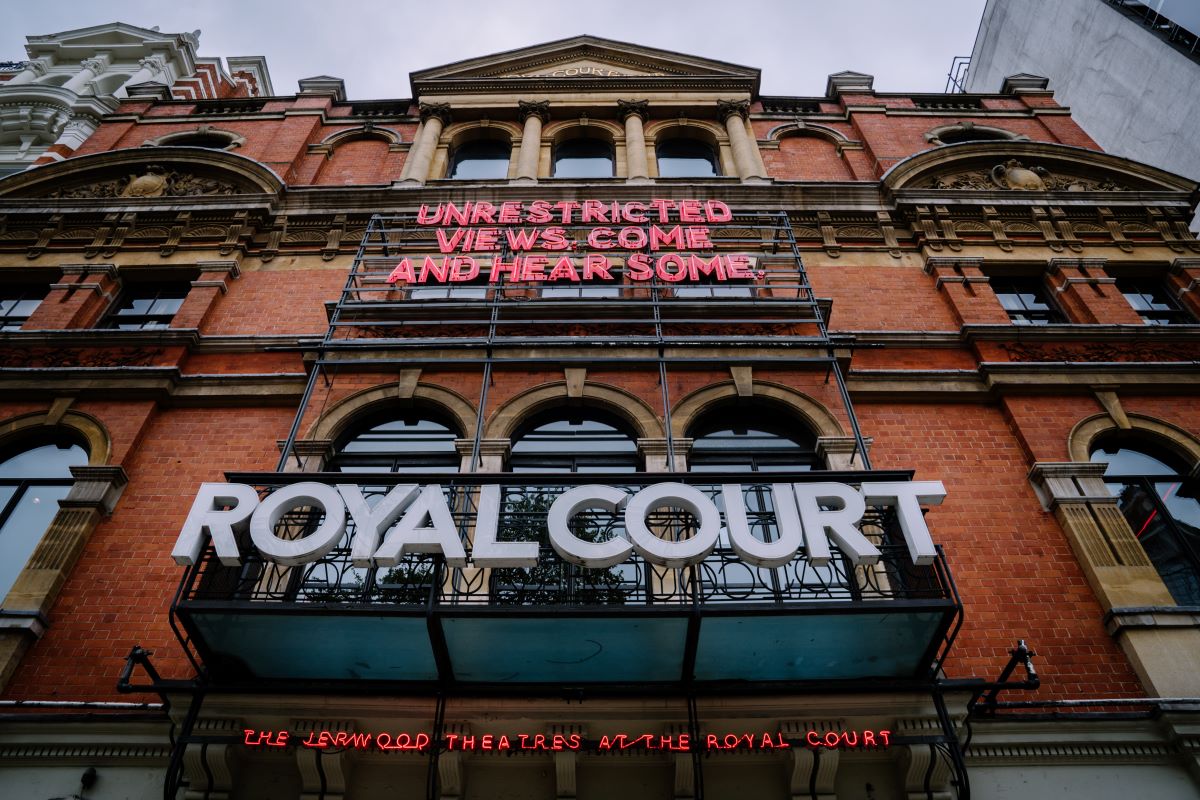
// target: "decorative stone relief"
[[1014, 175], [155, 181]]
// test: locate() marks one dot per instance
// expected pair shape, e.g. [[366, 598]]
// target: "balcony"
[[720, 621]]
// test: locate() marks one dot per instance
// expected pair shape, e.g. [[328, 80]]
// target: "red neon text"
[[849, 739]]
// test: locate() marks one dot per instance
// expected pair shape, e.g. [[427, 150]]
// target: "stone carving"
[[627, 108], [75, 357], [155, 181], [729, 108], [439, 110], [1014, 175], [535, 108], [1103, 352]]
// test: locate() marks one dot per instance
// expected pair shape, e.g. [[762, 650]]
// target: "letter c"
[[595, 555]]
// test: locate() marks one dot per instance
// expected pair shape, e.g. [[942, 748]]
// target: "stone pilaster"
[[1162, 645], [93, 496], [655, 454]]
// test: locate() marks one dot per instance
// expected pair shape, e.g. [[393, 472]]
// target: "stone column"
[[93, 496], [633, 114], [150, 67], [534, 115], [33, 70], [89, 68], [433, 117], [734, 113]]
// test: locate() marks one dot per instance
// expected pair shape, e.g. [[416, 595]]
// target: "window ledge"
[[33, 623], [1119, 620]]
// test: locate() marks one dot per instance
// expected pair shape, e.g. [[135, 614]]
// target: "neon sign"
[[670, 231], [417, 519], [420, 742]]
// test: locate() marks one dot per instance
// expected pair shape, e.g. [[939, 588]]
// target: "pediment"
[[582, 58], [1015, 167]]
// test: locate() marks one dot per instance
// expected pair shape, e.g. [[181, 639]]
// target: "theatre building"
[[588, 424]]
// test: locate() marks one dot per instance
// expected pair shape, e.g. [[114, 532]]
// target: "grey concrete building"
[[1130, 71]]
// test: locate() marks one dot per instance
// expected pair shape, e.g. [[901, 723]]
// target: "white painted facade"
[[1129, 89]]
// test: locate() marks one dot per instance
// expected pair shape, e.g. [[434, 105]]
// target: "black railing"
[[722, 578]]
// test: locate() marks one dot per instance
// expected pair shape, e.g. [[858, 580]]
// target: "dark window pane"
[[583, 158], [720, 445], [686, 158], [1026, 301], [480, 161], [570, 440], [1153, 302], [147, 306], [32, 481], [17, 303], [416, 444], [1160, 504], [1128, 461]]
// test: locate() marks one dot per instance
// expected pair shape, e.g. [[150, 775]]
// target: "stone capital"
[[629, 108], [439, 110], [533, 108], [96, 488], [94, 65], [730, 108]]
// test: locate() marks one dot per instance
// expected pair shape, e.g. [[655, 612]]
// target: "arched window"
[[750, 439], [686, 158], [1159, 500], [574, 440], [756, 437], [483, 159], [34, 476], [583, 158], [418, 441]]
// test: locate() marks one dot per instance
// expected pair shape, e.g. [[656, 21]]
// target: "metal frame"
[[371, 330]]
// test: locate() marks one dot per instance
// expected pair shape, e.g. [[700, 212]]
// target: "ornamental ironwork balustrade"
[[722, 578]]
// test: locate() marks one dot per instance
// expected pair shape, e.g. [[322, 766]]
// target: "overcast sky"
[[372, 45]]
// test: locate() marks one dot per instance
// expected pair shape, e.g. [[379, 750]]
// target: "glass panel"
[[413, 443], [313, 646], [686, 158], [23, 529], [583, 158], [1174, 563], [481, 161], [1127, 461], [47, 461], [815, 646], [544, 650]]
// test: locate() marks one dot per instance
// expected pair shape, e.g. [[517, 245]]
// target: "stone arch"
[[110, 83], [705, 131], [242, 175], [1088, 431], [965, 130], [54, 79], [344, 135], [93, 433], [808, 129], [803, 152], [1063, 167], [604, 129], [628, 407], [807, 410], [461, 133], [188, 138], [336, 421]]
